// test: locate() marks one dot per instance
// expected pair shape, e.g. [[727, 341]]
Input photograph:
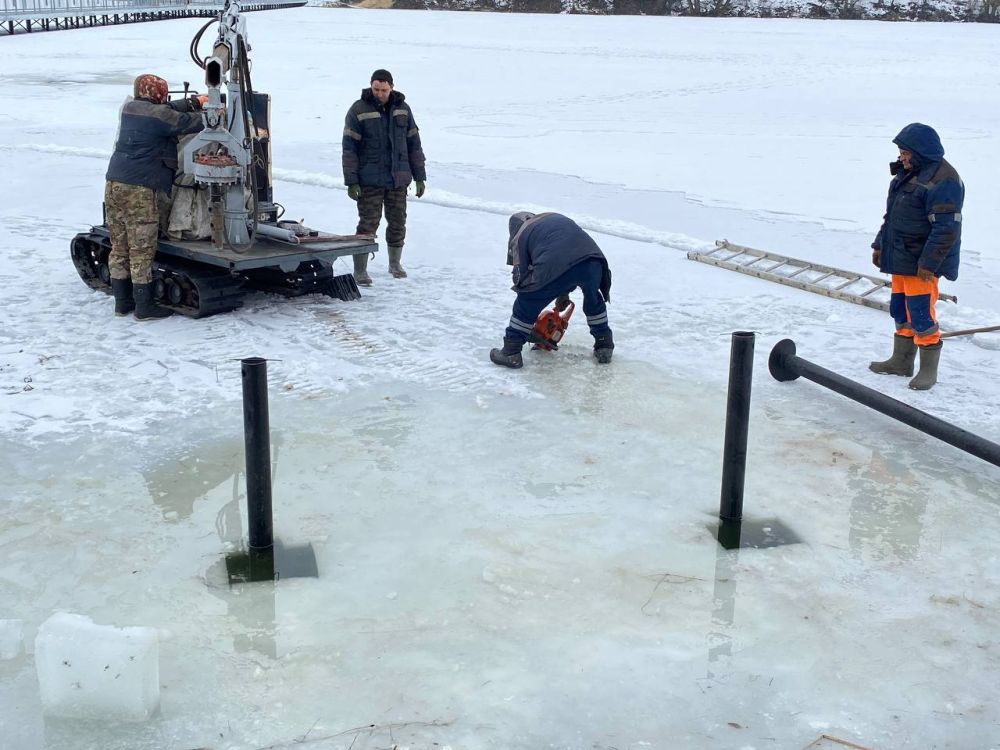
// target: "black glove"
[[562, 302]]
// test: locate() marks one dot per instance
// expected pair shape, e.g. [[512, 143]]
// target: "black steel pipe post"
[[785, 365], [257, 438], [734, 459]]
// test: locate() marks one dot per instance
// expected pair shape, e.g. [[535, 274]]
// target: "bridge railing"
[[15, 8]]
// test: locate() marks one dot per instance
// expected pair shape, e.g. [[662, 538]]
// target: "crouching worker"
[[551, 257], [919, 242], [142, 165]]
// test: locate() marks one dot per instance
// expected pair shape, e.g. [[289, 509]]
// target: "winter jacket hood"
[[515, 223], [922, 226], [922, 141], [395, 98], [545, 246]]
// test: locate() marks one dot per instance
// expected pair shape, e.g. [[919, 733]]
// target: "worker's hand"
[[353, 192], [421, 186], [876, 257], [562, 302], [924, 275]]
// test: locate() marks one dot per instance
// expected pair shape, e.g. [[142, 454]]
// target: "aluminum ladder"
[[859, 288]]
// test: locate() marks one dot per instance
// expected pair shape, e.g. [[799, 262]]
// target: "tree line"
[[985, 11]]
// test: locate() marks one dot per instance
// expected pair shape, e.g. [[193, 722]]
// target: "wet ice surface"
[[545, 577], [512, 559]]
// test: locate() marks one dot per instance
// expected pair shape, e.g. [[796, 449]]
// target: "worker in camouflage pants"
[[381, 156], [141, 165]]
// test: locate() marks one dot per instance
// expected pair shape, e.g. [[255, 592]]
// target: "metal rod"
[[285, 235], [970, 331], [785, 365], [257, 438], [734, 452]]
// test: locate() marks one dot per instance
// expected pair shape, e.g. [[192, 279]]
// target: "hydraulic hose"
[[246, 96]]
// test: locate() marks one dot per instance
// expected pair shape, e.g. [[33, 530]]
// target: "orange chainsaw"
[[550, 327]]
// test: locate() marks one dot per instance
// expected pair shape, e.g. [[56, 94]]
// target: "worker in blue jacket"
[[551, 256], [919, 241]]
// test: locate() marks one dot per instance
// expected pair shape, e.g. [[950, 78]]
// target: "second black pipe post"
[[257, 438], [734, 457]]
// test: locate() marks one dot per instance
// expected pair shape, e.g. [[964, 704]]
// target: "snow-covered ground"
[[515, 559]]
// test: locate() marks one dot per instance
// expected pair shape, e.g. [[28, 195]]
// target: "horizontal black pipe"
[[784, 365]]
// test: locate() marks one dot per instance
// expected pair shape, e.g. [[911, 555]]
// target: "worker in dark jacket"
[[551, 257], [142, 164], [381, 155], [919, 242]]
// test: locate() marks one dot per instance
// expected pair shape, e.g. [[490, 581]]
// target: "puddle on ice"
[[512, 572]]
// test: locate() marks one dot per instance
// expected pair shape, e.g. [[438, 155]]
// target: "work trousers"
[[912, 307], [133, 222], [370, 213], [587, 276]]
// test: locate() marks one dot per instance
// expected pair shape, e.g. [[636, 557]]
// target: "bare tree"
[[719, 8], [989, 10], [846, 8]]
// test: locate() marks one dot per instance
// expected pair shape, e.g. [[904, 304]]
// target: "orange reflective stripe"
[[914, 286]]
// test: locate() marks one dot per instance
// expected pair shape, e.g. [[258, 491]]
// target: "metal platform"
[[270, 253], [197, 280]]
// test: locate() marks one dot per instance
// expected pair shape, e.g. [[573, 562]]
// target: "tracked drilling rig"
[[246, 245]]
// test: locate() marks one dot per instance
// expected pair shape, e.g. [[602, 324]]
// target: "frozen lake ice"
[[513, 559]]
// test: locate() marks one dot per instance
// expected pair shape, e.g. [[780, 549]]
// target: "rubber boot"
[[930, 355], [509, 356], [395, 255], [604, 347], [904, 351], [145, 307], [361, 277], [122, 289]]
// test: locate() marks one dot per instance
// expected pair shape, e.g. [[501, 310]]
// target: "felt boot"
[[145, 307], [122, 289]]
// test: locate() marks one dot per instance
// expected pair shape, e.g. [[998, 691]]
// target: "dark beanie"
[[382, 75]]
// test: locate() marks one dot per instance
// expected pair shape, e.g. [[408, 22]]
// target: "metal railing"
[[22, 8]]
